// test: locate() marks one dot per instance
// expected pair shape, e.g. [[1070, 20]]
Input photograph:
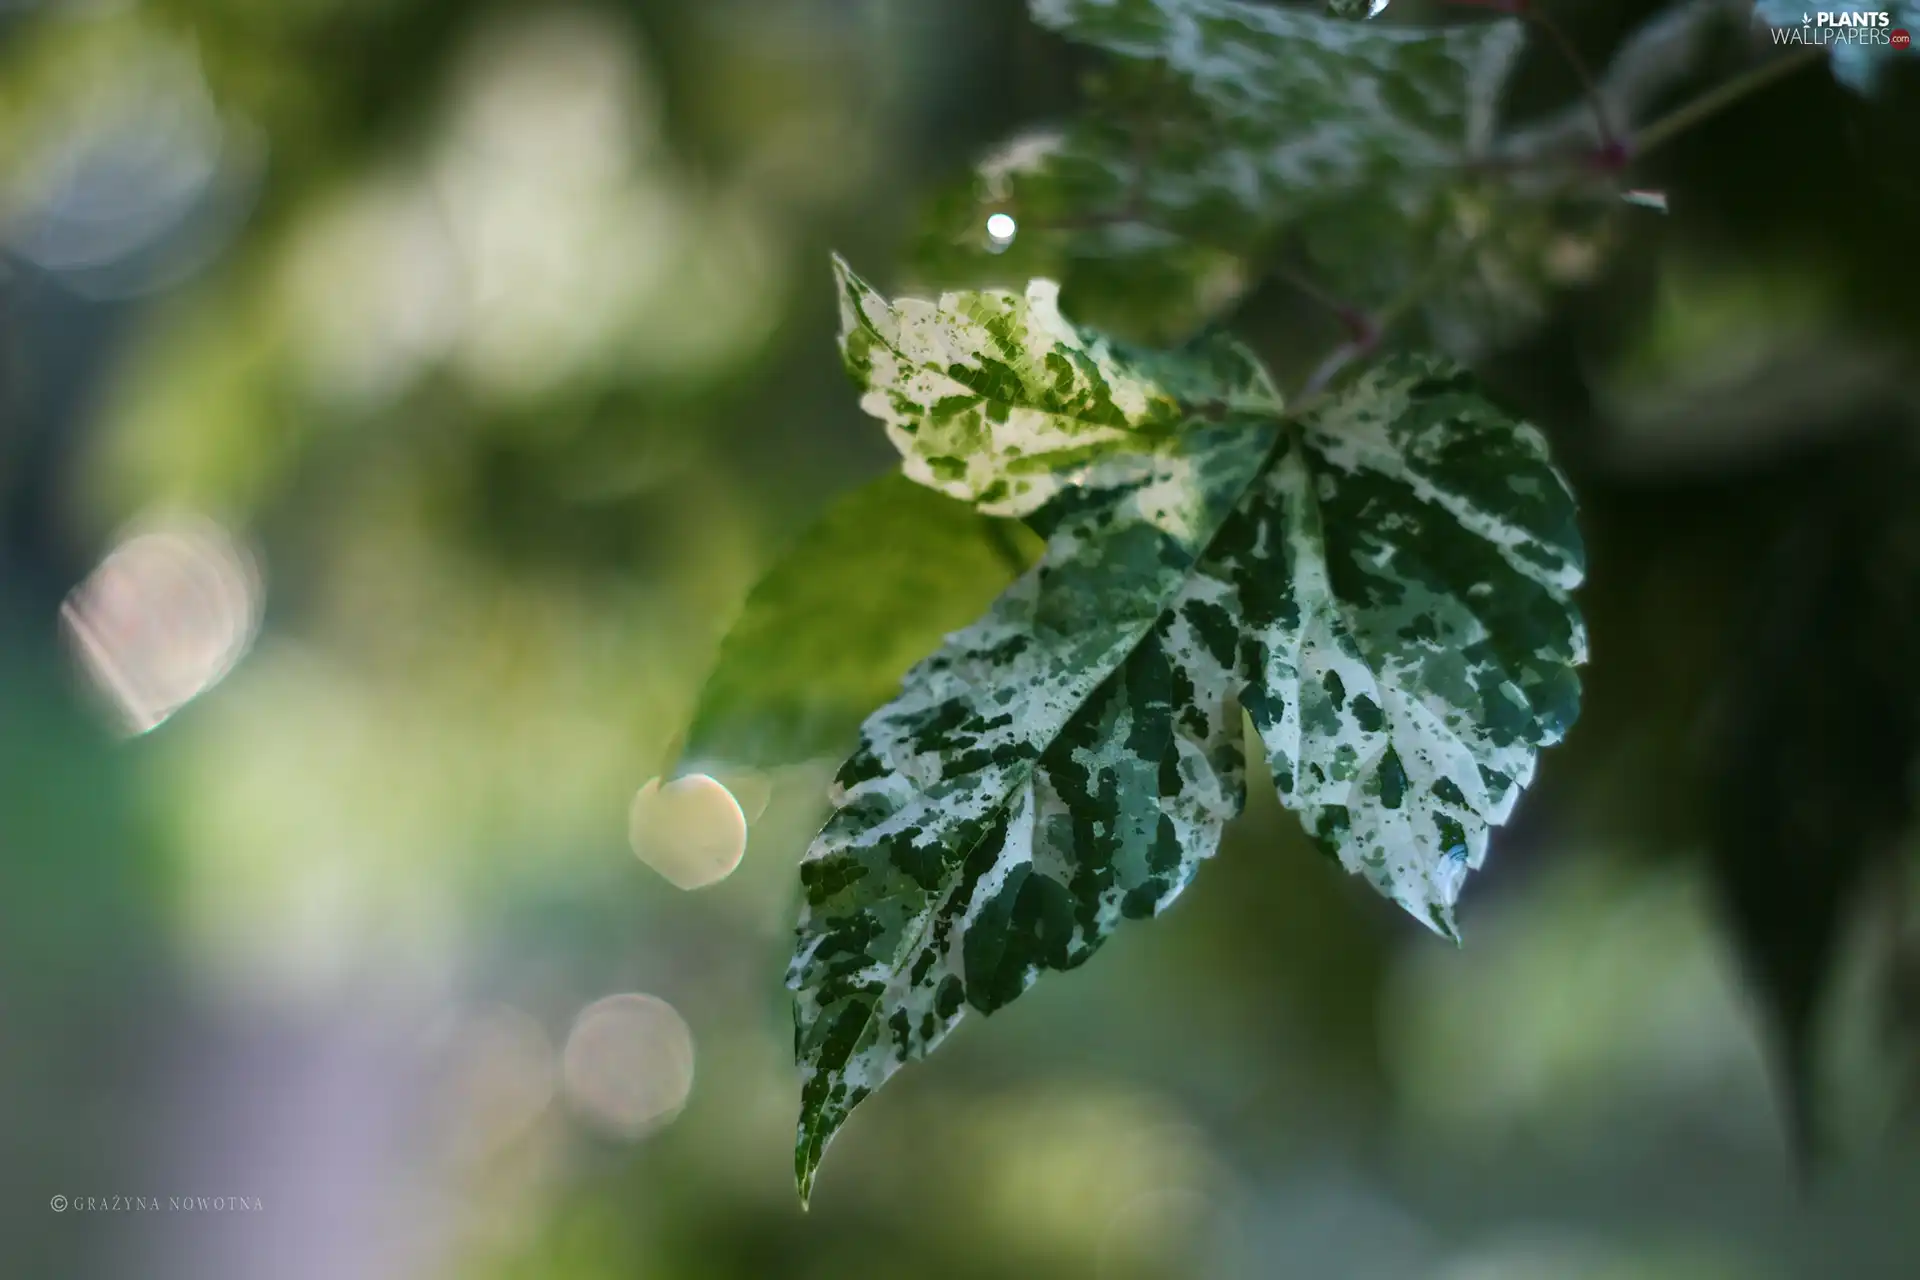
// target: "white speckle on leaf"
[[1382, 585]]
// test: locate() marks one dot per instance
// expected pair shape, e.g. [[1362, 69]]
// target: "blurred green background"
[[423, 383]]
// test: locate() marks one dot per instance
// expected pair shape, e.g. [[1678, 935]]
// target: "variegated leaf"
[[1225, 133], [993, 820], [1383, 585], [1247, 117], [1219, 125], [995, 398], [1405, 627], [1307, 104]]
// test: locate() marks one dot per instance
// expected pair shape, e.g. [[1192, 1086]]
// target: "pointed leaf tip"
[[1441, 920], [810, 1143]]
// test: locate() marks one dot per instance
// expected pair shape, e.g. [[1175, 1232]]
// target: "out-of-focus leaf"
[[1225, 123], [1486, 252], [826, 635], [1815, 746], [1221, 128], [1073, 224], [1382, 584], [1290, 107]]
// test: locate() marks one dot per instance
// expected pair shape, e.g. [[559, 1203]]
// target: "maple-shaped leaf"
[[1402, 575], [1383, 583]]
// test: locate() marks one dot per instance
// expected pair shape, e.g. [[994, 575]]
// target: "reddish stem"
[[1609, 157], [1360, 327]]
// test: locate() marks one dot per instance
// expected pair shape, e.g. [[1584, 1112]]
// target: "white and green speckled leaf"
[[1049, 770], [1221, 133], [1253, 117], [1403, 580], [1216, 126], [1382, 584], [1308, 104], [995, 398]]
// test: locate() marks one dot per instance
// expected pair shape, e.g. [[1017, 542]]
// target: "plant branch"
[[1654, 135], [1722, 96], [1657, 57], [1557, 35], [1368, 341], [1301, 281], [1355, 321]]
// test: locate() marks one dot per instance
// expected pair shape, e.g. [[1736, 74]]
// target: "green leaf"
[[1383, 585], [1812, 748], [1004, 812], [827, 633]]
